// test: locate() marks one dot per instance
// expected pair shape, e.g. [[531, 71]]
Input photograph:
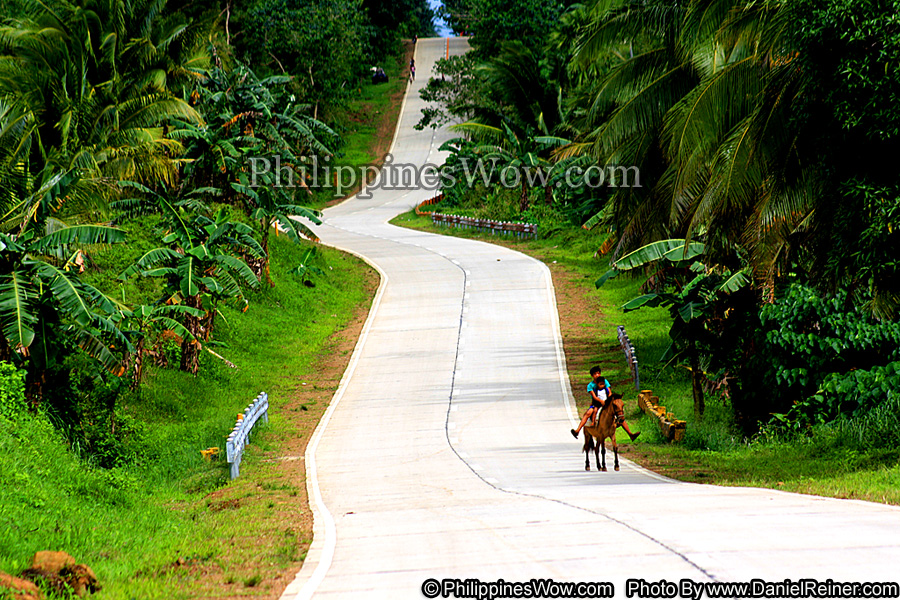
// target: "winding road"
[[446, 451]]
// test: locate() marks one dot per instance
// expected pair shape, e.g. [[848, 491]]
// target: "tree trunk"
[[260, 266], [697, 383], [207, 324], [190, 348], [265, 258], [523, 203], [137, 372]]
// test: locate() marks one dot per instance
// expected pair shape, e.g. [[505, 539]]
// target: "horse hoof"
[[617, 468], [587, 468], [604, 470]]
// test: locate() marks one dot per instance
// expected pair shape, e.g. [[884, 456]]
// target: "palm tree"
[[704, 108], [93, 81]]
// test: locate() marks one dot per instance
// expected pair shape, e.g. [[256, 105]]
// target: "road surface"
[[446, 452]]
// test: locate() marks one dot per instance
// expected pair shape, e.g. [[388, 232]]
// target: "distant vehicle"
[[378, 75]]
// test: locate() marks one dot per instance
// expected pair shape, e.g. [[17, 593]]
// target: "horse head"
[[617, 406]]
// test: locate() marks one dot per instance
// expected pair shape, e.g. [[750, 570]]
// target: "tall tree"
[[93, 83]]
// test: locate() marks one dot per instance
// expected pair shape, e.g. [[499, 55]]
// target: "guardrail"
[[503, 227], [520, 230], [671, 428], [630, 357], [428, 202], [240, 435]]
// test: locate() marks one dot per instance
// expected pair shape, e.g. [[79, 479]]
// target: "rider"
[[599, 390]]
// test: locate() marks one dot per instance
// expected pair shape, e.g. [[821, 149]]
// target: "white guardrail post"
[[630, 357], [240, 435]]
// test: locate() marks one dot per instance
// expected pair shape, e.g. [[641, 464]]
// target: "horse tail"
[[588, 443]]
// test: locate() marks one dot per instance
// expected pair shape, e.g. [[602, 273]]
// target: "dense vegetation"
[[734, 156], [135, 232]]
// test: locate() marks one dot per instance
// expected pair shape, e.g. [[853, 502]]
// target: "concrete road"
[[446, 452]]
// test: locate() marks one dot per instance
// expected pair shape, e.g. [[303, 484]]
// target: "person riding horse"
[[599, 390]]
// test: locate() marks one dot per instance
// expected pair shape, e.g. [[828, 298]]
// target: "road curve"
[[446, 451]]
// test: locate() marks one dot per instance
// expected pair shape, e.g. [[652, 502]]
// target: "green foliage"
[[389, 20], [809, 336], [132, 521], [256, 149], [698, 297], [45, 307], [877, 429], [93, 85], [830, 358], [454, 92], [747, 122], [87, 406], [492, 22], [321, 42], [848, 49], [12, 391], [863, 250]]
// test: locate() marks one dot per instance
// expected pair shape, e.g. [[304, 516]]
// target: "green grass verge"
[[157, 527], [712, 451], [138, 525]]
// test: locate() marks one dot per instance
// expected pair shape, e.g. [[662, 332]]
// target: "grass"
[[168, 524], [712, 452], [153, 528]]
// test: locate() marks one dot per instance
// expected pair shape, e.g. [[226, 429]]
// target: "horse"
[[604, 427]]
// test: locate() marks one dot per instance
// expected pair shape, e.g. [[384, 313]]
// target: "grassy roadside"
[[169, 525], [711, 453]]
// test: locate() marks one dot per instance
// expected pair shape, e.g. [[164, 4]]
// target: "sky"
[[442, 29]]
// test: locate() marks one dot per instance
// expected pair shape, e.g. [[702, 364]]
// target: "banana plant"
[[249, 119], [271, 206], [45, 307], [691, 290], [202, 265], [148, 319]]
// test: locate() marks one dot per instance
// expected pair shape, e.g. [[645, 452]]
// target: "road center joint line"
[[453, 441]]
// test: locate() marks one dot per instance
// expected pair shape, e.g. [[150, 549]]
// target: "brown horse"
[[604, 427]]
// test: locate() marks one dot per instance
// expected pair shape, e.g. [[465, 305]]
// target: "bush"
[[88, 411], [824, 355], [12, 391]]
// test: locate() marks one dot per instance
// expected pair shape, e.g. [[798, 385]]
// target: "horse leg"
[[616, 453], [602, 466], [588, 445], [587, 456]]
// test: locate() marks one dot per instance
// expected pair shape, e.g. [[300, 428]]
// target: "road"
[[446, 451]]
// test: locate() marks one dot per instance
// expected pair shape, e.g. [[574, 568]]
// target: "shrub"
[[12, 391], [824, 355]]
